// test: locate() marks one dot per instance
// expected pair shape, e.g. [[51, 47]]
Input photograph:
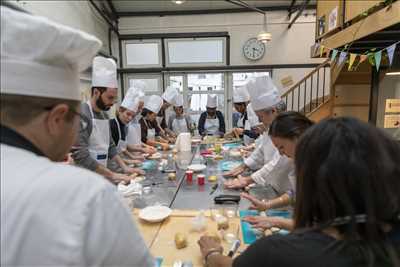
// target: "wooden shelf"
[[376, 22]]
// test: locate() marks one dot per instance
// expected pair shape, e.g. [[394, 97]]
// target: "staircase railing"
[[310, 92]]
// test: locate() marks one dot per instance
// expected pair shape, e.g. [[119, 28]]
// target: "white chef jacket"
[[271, 167], [57, 215]]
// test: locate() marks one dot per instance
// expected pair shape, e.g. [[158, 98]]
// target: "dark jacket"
[[202, 122]]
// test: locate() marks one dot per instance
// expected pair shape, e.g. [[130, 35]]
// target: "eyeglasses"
[[83, 120]]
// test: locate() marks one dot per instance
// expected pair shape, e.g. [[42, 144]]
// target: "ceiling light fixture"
[[178, 2], [393, 73], [264, 36]]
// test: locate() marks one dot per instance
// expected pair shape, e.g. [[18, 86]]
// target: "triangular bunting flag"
[[334, 54], [362, 58], [351, 60], [321, 50], [390, 50], [378, 58], [342, 57]]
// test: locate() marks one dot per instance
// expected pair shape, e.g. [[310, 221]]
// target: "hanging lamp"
[[264, 36]]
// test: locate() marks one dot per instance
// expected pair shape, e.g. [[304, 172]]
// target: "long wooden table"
[[159, 237]]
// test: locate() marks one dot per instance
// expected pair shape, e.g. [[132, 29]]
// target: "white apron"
[[240, 122], [122, 144], [211, 126], [99, 140], [151, 133], [134, 135], [179, 126]]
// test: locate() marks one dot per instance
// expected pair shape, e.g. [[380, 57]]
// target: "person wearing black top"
[[119, 131], [151, 132], [243, 130], [347, 210], [211, 122], [169, 98]]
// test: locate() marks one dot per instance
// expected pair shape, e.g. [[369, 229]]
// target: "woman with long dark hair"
[[285, 131], [347, 210]]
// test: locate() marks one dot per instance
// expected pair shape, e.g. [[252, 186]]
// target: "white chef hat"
[[140, 85], [104, 72], [153, 103], [179, 101], [252, 116], [211, 101], [170, 95], [132, 99], [263, 92], [42, 58], [240, 94]]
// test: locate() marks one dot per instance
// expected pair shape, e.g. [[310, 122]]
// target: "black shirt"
[[250, 133], [10, 137], [311, 249], [114, 130]]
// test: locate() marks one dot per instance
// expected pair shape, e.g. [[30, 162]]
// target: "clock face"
[[253, 49]]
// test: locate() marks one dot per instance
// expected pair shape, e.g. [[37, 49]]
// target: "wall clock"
[[253, 49]]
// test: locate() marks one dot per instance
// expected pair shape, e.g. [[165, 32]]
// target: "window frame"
[[201, 64], [144, 76], [143, 41]]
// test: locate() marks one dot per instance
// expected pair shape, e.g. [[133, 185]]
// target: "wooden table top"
[[159, 237]]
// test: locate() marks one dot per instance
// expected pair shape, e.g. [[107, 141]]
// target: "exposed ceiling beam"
[[245, 5], [305, 3], [205, 11], [113, 10], [110, 24], [12, 5], [290, 10]]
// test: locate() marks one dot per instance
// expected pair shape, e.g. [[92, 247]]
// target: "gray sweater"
[[80, 152]]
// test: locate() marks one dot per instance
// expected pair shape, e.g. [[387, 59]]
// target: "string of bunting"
[[375, 58]]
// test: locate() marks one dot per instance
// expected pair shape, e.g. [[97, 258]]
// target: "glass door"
[[195, 87]]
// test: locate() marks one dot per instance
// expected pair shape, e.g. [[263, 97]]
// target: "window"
[[208, 51], [196, 87], [142, 53], [152, 81]]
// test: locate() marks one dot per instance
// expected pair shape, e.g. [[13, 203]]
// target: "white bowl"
[[155, 213], [197, 167]]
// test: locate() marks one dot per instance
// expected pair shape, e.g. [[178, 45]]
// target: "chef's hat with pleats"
[[211, 101], [104, 73], [132, 99], [42, 58], [263, 93], [240, 94], [153, 103], [179, 101], [170, 95]]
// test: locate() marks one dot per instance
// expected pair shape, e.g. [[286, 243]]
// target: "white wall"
[[76, 14], [288, 46]]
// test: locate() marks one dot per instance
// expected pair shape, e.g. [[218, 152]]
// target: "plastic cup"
[[201, 179], [189, 176]]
